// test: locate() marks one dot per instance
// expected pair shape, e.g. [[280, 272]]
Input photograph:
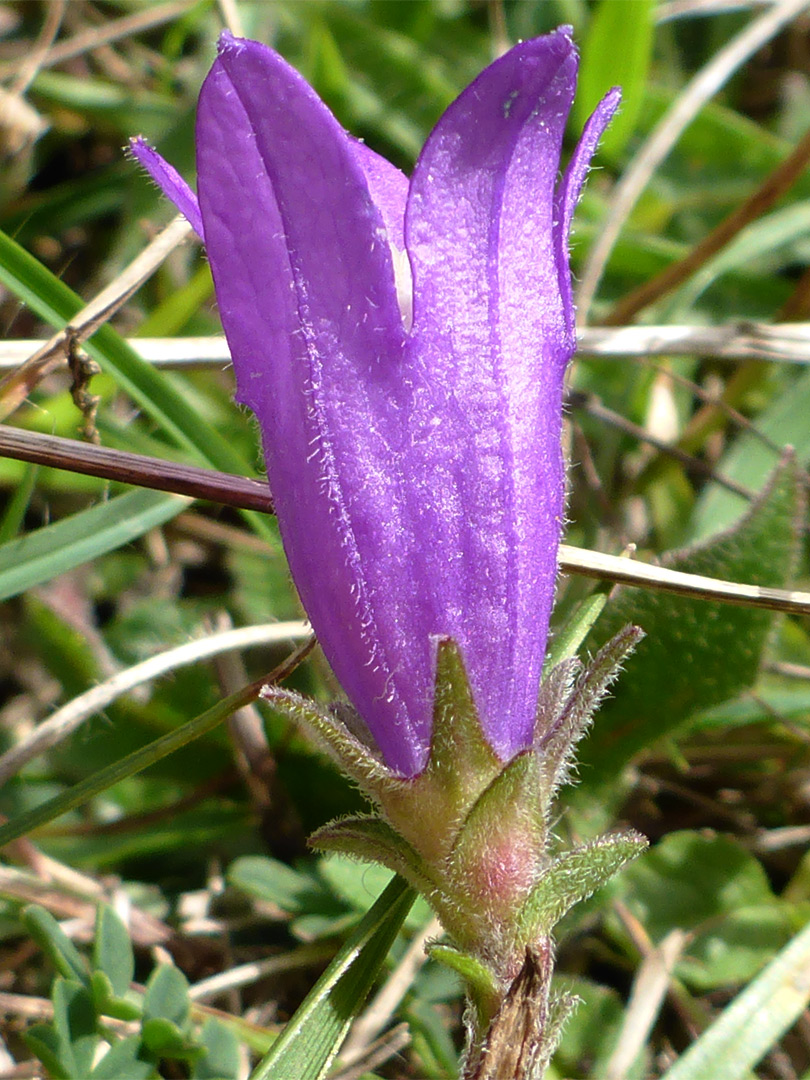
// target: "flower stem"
[[520, 1038]]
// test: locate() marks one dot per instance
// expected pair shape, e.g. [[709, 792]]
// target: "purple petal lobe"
[[570, 186], [170, 182], [305, 285], [388, 188], [491, 339]]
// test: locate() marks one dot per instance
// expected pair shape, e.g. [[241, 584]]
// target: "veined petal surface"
[[491, 339], [403, 348], [305, 285]]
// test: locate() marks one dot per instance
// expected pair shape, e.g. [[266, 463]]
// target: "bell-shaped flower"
[[403, 345]]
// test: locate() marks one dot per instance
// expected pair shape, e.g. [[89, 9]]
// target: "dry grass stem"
[[787, 342], [127, 468], [145, 19], [231, 490], [649, 989], [779, 181], [16, 387], [304, 956]]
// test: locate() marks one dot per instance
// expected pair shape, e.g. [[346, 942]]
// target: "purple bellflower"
[[403, 345]]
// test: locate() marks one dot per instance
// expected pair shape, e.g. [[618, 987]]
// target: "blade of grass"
[[130, 765], [754, 1022], [312, 1038], [41, 555], [161, 397], [14, 514]]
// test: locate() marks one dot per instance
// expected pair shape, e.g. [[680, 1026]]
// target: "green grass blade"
[[754, 1022], [13, 516], [605, 66], [41, 555], [160, 395], [312, 1038], [128, 766]]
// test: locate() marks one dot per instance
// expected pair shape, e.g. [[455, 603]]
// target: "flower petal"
[[388, 187], [170, 182], [305, 286], [492, 338], [570, 187]]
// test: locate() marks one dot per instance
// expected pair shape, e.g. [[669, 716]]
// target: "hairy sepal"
[[470, 832], [561, 722], [368, 837], [573, 876]]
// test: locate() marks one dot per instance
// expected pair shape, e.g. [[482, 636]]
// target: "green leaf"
[[718, 892], [482, 984], [55, 943], [221, 1060], [731, 953], [313, 1036], [125, 1061], [43, 1040], [689, 878], [696, 653], [74, 1019], [751, 459], [163, 1039], [110, 1004], [127, 766], [616, 52], [269, 879], [357, 886], [112, 952], [167, 995], [44, 554], [591, 1033], [574, 876], [755, 1021], [566, 641]]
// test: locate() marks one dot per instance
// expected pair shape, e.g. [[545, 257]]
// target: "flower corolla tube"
[[403, 344]]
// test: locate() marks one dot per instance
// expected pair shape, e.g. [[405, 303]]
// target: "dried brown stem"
[[516, 1044], [127, 468], [242, 492]]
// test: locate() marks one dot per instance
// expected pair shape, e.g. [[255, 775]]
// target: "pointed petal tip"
[[227, 42], [611, 101], [168, 180]]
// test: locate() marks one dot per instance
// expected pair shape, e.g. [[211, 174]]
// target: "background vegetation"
[[173, 913]]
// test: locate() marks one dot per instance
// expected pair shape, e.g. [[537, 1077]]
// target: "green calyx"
[[470, 832]]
